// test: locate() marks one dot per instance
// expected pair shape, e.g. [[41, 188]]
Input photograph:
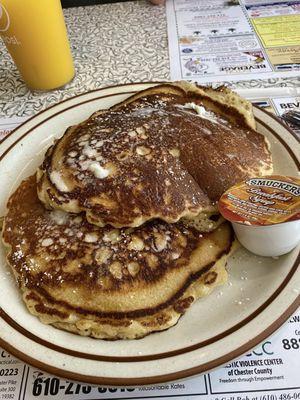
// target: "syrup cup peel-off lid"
[[265, 214], [262, 201]]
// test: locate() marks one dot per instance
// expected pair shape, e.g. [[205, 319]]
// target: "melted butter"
[[202, 112]]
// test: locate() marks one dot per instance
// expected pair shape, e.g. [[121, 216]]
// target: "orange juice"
[[35, 34]]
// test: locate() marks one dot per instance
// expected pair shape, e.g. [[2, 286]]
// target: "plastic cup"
[[35, 35]]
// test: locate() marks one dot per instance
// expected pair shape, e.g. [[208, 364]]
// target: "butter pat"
[[202, 112], [265, 213]]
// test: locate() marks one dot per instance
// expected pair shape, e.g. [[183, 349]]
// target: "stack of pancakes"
[[118, 233]]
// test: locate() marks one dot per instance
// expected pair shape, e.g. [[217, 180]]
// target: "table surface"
[[111, 44]]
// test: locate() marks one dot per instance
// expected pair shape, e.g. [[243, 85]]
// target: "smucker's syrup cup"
[[265, 214]]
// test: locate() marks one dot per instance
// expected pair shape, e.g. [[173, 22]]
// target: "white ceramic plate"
[[260, 295]]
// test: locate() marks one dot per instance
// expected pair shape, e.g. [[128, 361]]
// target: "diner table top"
[[112, 44]]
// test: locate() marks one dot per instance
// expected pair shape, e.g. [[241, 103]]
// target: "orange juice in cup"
[[35, 35]]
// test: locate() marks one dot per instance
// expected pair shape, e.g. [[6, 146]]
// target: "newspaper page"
[[230, 40], [269, 372]]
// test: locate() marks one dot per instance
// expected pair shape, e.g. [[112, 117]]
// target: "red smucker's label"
[[262, 201]]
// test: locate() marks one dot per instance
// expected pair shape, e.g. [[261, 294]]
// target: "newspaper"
[[269, 372], [230, 40]]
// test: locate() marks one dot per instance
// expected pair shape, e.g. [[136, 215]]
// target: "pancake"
[[105, 282], [166, 153]]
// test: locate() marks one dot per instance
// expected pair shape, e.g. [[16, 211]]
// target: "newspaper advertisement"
[[233, 40], [269, 372]]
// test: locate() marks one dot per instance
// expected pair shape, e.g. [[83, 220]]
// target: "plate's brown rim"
[[221, 335], [279, 120], [160, 378], [157, 356], [279, 138], [184, 373], [141, 358]]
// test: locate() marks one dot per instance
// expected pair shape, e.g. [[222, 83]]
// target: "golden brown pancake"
[[106, 282], [166, 153]]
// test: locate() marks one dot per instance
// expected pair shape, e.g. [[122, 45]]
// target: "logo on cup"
[[4, 19]]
